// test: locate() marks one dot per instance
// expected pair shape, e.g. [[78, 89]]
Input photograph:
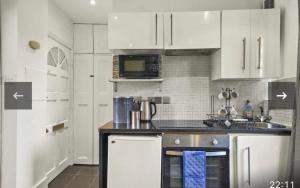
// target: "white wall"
[[182, 5], [9, 121], [23, 142], [60, 25], [289, 36], [25, 151]]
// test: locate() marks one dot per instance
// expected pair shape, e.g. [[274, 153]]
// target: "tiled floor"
[[78, 176]]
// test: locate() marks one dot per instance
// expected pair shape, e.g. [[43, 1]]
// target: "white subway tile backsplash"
[[187, 83]]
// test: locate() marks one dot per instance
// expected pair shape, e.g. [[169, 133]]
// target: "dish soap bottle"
[[248, 110]]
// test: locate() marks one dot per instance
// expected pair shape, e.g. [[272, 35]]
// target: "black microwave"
[[139, 66]]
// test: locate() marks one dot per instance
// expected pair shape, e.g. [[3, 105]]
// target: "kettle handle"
[[153, 104]]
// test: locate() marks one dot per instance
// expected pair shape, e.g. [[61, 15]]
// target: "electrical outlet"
[[166, 100]]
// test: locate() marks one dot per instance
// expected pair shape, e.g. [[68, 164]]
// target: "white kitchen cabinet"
[[142, 30], [258, 160], [250, 45], [83, 38], [83, 108], [103, 94], [233, 60], [134, 161], [265, 43], [101, 39], [93, 104], [192, 30]]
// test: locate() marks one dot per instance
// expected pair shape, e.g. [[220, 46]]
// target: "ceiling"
[[81, 11]]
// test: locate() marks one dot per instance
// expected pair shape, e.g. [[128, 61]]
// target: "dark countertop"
[[184, 126]]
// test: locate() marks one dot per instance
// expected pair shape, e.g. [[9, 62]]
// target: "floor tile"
[[72, 170], [61, 181], [89, 171], [81, 181], [77, 176]]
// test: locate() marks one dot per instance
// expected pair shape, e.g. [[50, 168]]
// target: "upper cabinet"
[[176, 30], [192, 30], [83, 38], [142, 30], [265, 43], [250, 45], [101, 39]]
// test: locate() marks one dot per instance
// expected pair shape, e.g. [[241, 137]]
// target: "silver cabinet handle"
[[156, 29], [259, 52], [244, 54], [171, 29], [249, 165]]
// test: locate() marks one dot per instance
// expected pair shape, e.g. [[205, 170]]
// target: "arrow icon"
[[16, 95], [283, 96]]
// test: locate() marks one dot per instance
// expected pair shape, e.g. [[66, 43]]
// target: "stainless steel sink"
[[264, 125]]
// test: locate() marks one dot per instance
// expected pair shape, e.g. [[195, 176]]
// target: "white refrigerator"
[[134, 161]]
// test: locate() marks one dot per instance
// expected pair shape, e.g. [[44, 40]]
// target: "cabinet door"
[[101, 39], [192, 30], [103, 94], [83, 108], [83, 38], [135, 31], [235, 55], [265, 43], [261, 159], [134, 162]]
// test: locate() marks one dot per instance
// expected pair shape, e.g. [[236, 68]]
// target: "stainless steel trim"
[[244, 54], [171, 29], [259, 52], [195, 140], [156, 29], [249, 164], [208, 154]]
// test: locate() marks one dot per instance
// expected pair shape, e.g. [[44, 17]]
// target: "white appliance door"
[[134, 162]]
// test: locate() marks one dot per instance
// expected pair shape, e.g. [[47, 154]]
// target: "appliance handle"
[[155, 28], [154, 105], [134, 139], [208, 154], [249, 164], [171, 16], [244, 54], [259, 52]]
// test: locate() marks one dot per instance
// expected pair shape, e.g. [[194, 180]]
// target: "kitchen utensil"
[[147, 111], [223, 95], [234, 94], [121, 109], [222, 111], [135, 119]]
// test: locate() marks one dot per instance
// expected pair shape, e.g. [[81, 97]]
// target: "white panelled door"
[[103, 93], [58, 107], [83, 108]]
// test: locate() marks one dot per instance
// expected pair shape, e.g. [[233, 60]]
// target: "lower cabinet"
[[256, 160]]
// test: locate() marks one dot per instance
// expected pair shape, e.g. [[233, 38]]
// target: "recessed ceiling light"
[[92, 2]]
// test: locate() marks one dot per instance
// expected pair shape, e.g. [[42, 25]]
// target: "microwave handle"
[[208, 154]]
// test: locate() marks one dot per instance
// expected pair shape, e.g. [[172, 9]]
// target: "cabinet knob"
[[177, 141], [92, 76], [214, 142]]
